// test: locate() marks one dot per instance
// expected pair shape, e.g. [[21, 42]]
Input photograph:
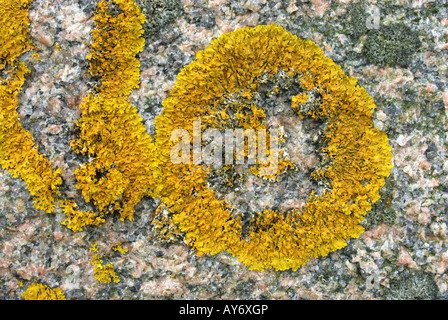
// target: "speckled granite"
[[401, 60]]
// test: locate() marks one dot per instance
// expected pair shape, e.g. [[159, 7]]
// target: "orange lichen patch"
[[18, 151], [38, 291], [357, 157], [112, 132]]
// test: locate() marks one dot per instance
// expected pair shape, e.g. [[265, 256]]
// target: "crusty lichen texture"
[[357, 157], [39, 291]]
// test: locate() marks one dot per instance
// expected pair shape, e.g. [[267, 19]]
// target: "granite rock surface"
[[398, 50]]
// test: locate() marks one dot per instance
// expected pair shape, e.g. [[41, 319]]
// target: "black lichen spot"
[[378, 216], [159, 14], [88, 6], [159, 253], [413, 286], [391, 45], [431, 152]]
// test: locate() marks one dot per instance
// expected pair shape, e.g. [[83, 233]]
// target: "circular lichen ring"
[[357, 156]]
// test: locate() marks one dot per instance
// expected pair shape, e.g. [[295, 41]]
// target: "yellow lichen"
[[104, 273], [119, 248], [18, 151], [298, 99], [112, 132], [358, 156], [38, 291], [93, 247], [75, 219]]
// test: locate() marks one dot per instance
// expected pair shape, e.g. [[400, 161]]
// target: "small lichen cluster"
[[119, 248], [358, 156], [104, 273], [38, 291]]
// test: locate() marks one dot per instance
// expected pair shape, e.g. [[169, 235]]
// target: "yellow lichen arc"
[[358, 156], [112, 132], [18, 152]]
